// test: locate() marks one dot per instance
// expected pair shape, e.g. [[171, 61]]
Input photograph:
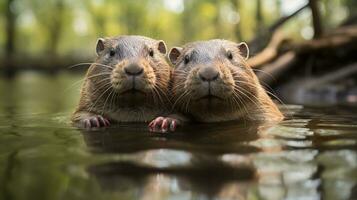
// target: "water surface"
[[311, 155]]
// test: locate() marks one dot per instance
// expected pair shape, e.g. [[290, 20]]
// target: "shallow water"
[[312, 155]]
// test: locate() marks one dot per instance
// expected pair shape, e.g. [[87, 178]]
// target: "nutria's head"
[[212, 77], [130, 68]]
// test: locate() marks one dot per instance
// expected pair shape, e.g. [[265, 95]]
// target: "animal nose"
[[133, 69], [208, 74]]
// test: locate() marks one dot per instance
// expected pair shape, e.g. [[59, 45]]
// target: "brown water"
[[311, 155]]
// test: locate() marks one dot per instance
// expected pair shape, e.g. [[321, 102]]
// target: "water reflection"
[[182, 165], [216, 139], [287, 175], [339, 176], [311, 155]]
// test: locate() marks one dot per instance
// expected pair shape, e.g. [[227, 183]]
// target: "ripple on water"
[[311, 155], [158, 158], [339, 174], [287, 174], [334, 132]]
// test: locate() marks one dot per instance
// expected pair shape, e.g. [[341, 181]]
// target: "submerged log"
[[335, 87]]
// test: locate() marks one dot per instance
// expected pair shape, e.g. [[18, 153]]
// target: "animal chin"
[[132, 91], [131, 87], [210, 97]]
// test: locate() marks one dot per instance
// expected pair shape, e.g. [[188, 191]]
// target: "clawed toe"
[[163, 125], [96, 122]]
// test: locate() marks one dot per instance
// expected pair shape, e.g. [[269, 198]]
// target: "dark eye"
[[151, 53], [230, 55], [187, 59], [112, 53]]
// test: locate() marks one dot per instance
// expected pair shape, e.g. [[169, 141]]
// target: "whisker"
[[96, 75], [272, 94], [188, 103], [81, 80], [99, 98], [81, 64], [101, 86], [180, 97], [164, 93], [111, 105], [264, 72], [235, 95], [242, 91], [105, 102], [158, 94]]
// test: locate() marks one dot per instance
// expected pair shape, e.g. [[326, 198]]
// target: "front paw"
[[96, 121], [163, 125]]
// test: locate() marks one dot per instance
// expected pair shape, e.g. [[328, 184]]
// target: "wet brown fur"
[[104, 89], [239, 93]]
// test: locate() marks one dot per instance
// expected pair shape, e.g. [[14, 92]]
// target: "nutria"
[[127, 83], [212, 82]]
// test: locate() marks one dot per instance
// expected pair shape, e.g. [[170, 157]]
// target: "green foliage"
[[64, 27]]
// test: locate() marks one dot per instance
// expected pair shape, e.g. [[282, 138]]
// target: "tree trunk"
[[260, 41], [56, 28], [217, 19], [259, 17], [187, 25], [316, 19], [237, 28], [97, 18], [278, 7], [10, 39]]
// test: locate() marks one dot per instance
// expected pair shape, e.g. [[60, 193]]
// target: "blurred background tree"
[[289, 40], [57, 29]]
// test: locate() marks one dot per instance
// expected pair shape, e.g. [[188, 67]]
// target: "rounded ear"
[[175, 52], [162, 47], [243, 50], [100, 45]]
